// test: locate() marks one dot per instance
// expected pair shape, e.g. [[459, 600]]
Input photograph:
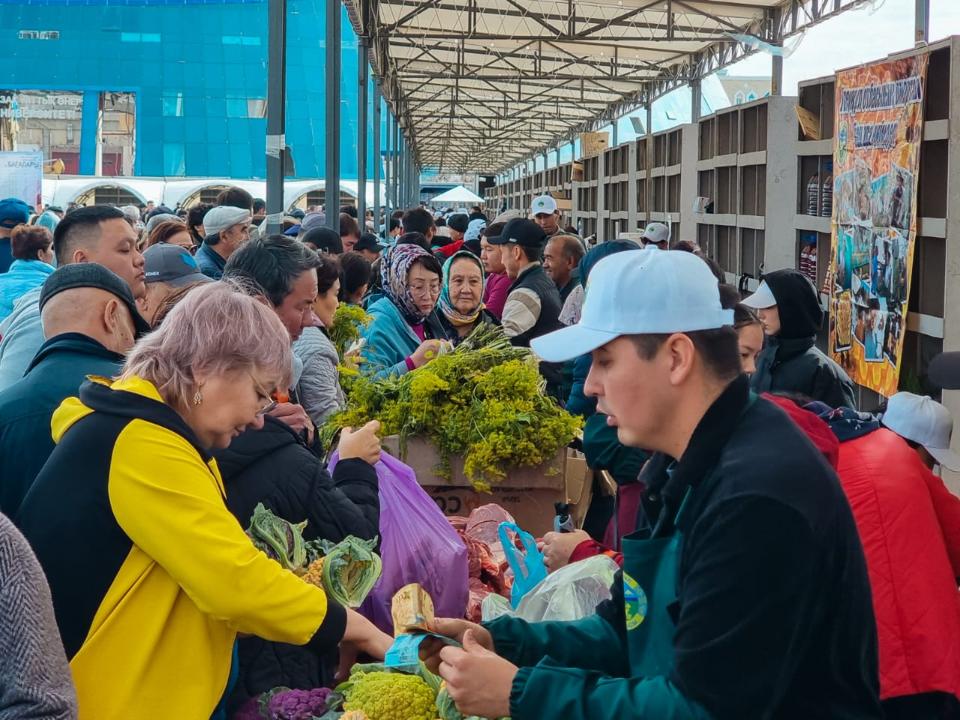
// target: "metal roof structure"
[[483, 84]]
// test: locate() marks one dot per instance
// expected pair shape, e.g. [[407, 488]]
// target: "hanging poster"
[[21, 176], [876, 162]]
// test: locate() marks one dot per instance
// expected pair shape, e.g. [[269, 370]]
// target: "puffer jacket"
[[319, 385], [275, 467], [790, 362], [909, 524], [22, 277]]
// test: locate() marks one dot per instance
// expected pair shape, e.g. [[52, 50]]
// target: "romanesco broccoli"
[[391, 696]]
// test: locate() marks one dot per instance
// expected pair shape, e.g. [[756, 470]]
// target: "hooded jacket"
[[21, 336], [273, 466], [27, 406], [790, 362], [909, 524], [151, 576]]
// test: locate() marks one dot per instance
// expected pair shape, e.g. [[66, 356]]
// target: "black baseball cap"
[[82, 275], [368, 242], [171, 264], [459, 222], [522, 232]]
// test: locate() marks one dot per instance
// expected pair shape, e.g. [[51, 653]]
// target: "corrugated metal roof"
[[482, 84]]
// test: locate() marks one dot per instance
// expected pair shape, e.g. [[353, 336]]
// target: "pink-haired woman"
[[152, 578]]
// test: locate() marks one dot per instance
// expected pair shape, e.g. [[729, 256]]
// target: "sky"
[[868, 33]]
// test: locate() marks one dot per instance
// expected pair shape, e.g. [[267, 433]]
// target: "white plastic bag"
[[570, 593]]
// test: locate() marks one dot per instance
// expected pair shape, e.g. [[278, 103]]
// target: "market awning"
[[481, 84]]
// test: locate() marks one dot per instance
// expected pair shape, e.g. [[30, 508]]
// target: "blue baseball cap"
[[13, 212], [639, 292], [171, 264]]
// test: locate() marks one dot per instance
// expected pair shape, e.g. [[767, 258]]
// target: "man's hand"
[[454, 629], [295, 416], [479, 681], [558, 547], [363, 444]]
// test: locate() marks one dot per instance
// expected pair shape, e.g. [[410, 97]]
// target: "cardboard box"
[[526, 493], [593, 143]]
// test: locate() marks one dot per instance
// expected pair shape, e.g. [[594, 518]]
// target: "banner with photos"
[[876, 160]]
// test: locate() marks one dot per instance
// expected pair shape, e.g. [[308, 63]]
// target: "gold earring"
[[197, 398]]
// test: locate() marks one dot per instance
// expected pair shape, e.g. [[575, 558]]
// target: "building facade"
[[168, 88]]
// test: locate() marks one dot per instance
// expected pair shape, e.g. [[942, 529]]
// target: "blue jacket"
[[391, 340], [27, 406], [210, 263], [22, 277]]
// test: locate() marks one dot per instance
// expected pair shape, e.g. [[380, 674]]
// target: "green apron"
[[649, 587]]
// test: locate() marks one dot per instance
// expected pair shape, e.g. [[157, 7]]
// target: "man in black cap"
[[368, 247], [168, 268], [90, 320], [533, 302]]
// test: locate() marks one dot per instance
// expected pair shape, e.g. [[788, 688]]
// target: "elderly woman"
[[32, 249], [319, 386], [152, 578], [461, 296], [406, 332]]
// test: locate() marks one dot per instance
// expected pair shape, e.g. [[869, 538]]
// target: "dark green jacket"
[[56, 373]]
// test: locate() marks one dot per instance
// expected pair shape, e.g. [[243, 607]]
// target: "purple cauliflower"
[[286, 704]]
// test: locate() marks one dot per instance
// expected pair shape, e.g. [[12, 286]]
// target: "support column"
[[332, 174], [776, 75], [89, 132], [362, 134], [402, 172], [922, 22], [377, 129], [614, 134], [696, 100], [276, 112]]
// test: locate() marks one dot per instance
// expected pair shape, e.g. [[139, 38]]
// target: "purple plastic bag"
[[417, 545]]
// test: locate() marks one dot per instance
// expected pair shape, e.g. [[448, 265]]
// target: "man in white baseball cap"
[[926, 425], [744, 593], [546, 214], [657, 235]]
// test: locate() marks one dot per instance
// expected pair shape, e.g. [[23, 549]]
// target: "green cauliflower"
[[390, 696]]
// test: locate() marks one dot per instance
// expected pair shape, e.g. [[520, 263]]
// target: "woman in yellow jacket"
[[152, 577]]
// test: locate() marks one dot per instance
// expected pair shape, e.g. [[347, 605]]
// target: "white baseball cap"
[[762, 299], [639, 292], [923, 420], [543, 205], [656, 232]]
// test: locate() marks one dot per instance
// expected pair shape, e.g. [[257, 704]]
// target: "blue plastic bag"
[[529, 569], [417, 545]]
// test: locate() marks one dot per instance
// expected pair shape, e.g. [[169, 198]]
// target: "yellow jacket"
[[152, 577]]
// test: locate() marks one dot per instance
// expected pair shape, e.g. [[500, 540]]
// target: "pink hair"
[[217, 328]]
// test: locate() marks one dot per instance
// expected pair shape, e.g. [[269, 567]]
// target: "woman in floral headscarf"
[[461, 296], [406, 332]]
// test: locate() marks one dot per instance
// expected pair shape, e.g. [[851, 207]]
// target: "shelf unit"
[[744, 173], [587, 197]]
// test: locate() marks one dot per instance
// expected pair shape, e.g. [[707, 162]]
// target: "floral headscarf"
[[457, 318], [393, 279]]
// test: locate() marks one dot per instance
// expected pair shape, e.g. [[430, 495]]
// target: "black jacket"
[[536, 279], [790, 362], [773, 598], [275, 467], [26, 407], [451, 332]]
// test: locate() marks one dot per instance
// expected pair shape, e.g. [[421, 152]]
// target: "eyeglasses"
[[271, 402], [425, 290]]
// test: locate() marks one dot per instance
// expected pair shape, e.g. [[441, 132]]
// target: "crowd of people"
[[163, 372]]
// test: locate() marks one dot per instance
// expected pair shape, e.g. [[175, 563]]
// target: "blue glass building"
[[198, 72]]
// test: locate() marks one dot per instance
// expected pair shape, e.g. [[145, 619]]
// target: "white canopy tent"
[[457, 196]]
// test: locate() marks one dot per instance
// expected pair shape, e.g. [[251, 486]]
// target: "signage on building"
[[21, 176], [40, 106], [38, 35]]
